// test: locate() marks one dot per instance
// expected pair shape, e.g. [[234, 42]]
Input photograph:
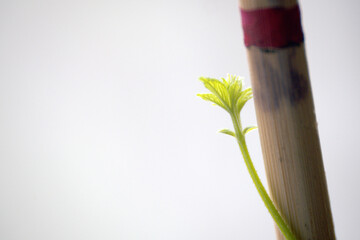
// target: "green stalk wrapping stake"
[[230, 95]]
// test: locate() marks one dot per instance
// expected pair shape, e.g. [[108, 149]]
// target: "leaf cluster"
[[228, 94]]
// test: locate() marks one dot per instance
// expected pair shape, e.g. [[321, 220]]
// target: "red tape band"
[[272, 27]]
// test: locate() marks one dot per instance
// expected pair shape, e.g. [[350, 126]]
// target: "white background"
[[102, 136]]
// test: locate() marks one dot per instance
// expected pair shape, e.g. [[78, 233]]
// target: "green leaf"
[[228, 132], [248, 129], [234, 85], [212, 98], [218, 89], [245, 96]]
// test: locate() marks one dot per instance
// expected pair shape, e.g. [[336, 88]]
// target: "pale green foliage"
[[228, 94], [246, 95], [248, 129], [228, 132], [212, 98]]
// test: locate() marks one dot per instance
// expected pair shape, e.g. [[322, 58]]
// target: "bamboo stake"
[[288, 133]]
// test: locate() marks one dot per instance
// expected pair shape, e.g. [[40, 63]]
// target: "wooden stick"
[[288, 131]]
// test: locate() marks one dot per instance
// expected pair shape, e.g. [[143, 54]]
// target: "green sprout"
[[230, 95]]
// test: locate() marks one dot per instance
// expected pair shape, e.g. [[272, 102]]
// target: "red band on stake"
[[272, 27]]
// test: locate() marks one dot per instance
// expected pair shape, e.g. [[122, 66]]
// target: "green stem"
[[259, 186]]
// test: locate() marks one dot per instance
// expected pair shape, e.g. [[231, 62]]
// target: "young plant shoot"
[[230, 95]]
